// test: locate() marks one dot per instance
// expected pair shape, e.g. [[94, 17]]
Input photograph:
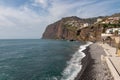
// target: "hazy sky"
[[29, 18]]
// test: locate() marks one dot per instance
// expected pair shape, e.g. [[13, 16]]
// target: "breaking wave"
[[74, 65]]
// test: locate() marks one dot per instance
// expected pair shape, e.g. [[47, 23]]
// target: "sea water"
[[35, 59]]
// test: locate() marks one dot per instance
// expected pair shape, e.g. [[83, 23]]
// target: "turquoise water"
[[35, 59]]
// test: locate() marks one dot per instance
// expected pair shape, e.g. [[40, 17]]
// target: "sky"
[[27, 19]]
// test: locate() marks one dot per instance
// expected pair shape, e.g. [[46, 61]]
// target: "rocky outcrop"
[[72, 28]]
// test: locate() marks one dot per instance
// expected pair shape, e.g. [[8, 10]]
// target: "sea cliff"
[[73, 28]]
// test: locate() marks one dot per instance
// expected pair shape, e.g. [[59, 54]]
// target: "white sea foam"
[[74, 65]]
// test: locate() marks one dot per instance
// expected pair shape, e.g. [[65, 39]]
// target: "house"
[[117, 18], [103, 35], [99, 20], [103, 22], [109, 31], [112, 30], [116, 29], [111, 20], [85, 24]]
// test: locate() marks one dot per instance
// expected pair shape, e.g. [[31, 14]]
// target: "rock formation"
[[72, 28]]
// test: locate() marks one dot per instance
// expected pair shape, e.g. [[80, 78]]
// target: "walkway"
[[97, 69], [112, 60]]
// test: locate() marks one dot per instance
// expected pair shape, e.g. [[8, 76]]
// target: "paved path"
[[116, 63], [113, 60], [110, 50]]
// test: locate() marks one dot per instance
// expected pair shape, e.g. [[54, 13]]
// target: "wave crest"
[[74, 65]]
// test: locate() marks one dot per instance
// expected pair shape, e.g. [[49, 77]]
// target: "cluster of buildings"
[[110, 32], [113, 30], [110, 20], [74, 23]]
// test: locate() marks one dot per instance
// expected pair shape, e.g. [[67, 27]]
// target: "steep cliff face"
[[72, 28]]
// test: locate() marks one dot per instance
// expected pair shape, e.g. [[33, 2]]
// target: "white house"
[[105, 35], [109, 31], [116, 29], [103, 22], [112, 30], [99, 20], [85, 24]]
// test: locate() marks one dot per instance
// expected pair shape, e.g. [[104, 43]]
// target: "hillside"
[[75, 28], [70, 28], [116, 15]]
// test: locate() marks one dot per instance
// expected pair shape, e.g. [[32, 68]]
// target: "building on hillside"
[[111, 20], [99, 20], [116, 29], [103, 35], [109, 31], [103, 22], [116, 18], [85, 24], [112, 31]]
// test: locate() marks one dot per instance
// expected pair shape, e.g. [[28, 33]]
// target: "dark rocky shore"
[[93, 67]]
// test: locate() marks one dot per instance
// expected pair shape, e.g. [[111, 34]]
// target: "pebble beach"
[[96, 69]]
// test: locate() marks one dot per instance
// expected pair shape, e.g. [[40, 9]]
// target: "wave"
[[74, 65]]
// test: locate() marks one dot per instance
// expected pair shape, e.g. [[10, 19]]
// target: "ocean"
[[36, 59]]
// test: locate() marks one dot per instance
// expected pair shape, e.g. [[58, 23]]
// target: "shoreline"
[[92, 66], [84, 62], [78, 60]]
